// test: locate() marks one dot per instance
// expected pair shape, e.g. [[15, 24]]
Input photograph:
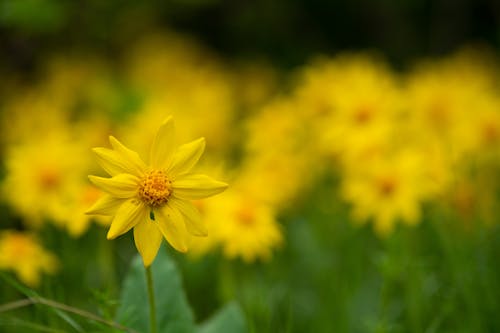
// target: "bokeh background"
[[360, 139]]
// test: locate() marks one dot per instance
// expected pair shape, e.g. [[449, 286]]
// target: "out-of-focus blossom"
[[177, 77], [42, 176], [353, 102], [21, 253], [242, 226], [280, 155], [387, 190]]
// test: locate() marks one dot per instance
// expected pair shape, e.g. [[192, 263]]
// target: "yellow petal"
[[194, 186], [147, 238], [171, 224], [121, 186], [127, 216], [114, 164], [192, 217], [186, 157], [106, 205], [163, 146], [131, 157]]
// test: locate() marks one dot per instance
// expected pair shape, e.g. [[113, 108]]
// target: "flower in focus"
[[154, 200], [21, 253]]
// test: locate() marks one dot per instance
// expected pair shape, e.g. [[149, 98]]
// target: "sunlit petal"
[[195, 225], [121, 186], [127, 216], [163, 146], [147, 238], [113, 162], [173, 228], [186, 157], [106, 205], [131, 157], [195, 186]]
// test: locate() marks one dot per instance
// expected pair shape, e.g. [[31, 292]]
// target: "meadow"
[[344, 195]]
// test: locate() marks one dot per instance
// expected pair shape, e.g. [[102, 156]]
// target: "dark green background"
[[286, 32]]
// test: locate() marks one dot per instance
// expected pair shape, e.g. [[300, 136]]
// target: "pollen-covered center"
[[155, 188]]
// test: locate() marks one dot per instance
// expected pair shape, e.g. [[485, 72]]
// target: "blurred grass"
[[336, 277], [330, 277]]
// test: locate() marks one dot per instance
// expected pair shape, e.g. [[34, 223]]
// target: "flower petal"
[[163, 147], [127, 216], [147, 238], [106, 205], [195, 224], [171, 224], [121, 186], [114, 163], [132, 158], [186, 157], [195, 186]]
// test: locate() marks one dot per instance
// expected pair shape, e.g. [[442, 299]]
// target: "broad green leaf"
[[229, 319], [172, 310]]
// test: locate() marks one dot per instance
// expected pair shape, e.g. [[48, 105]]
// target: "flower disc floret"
[[155, 188]]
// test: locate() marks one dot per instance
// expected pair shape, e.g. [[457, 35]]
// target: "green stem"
[[151, 296]]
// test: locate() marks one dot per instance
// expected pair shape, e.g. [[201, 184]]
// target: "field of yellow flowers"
[[341, 196]]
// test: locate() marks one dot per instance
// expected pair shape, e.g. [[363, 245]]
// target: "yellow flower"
[[245, 227], [77, 222], [42, 175], [154, 200], [352, 101], [21, 253], [388, 189], [287, 166], [250, 230], [176, 74]]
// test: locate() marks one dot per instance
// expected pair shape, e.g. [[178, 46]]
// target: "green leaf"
[[172, 310], [229, 319]]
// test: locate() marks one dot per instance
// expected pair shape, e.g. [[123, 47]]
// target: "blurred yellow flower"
[[352, 101], [250, 230], [387, 189], [443, 101], [280, 154], [176, 74], [245, 227], [155, 199], [21, 253], [78, 222], [485, 125], [42, 175]]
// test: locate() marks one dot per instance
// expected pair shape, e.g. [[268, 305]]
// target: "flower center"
[[387, 187], [363, 115], [49, 179], [245, 216], [155, 188]]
